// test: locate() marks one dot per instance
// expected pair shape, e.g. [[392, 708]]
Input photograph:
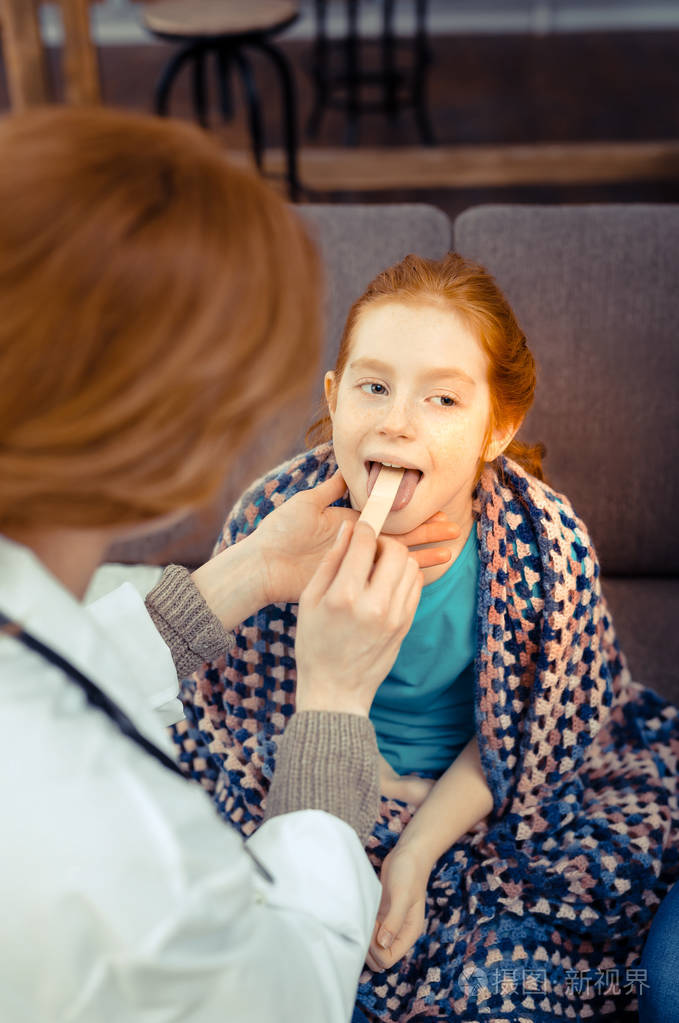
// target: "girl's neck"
[[454, 546]]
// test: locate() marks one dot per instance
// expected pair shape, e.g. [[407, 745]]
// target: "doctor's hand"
[[295, 536], [353, 616], [275, 562], [402, 912]]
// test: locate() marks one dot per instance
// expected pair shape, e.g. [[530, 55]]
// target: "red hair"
[[156, 304], [469, 290]]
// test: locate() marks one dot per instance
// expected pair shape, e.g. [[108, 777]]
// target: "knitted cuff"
[[185, 621], [328, 761]]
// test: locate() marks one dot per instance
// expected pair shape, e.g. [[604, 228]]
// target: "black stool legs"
[[200, 87], [224, 84], [289, 110], [319, 70], [391, 78], [399, 87], [422, 61], [254, 109], [170, 71], [229, 52], [353, 74]]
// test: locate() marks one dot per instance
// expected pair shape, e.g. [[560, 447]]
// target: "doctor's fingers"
[[345, 568], [358, 563], [395, 585], [328, 567]]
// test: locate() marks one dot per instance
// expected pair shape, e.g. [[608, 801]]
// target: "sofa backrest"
[[356, 243], [596, 290]]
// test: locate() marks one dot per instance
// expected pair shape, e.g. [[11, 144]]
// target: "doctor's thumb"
[[330, 490]]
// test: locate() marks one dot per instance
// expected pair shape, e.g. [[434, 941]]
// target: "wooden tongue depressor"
[[381, 497]]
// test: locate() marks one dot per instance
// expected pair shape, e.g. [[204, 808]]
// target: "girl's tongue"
[[411, 477]]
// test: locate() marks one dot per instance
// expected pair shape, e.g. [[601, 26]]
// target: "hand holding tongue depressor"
[[382, 497]]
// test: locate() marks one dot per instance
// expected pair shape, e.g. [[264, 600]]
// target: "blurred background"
[[526, 100]]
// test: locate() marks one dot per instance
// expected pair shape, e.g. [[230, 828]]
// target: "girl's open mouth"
[[411, 477]]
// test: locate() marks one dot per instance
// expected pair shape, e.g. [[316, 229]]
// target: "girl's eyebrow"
[[438, 373]]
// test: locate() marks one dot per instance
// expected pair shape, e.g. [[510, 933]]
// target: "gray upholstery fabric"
[[645, 613], [595, 290], [357, 242]]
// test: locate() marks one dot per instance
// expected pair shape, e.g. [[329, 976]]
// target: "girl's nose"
[[397, 420]]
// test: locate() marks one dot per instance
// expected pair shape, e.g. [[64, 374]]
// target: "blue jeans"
[[659, 1002]]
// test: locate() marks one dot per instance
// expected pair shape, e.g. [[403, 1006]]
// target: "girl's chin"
[[404, 521], [398, 522]]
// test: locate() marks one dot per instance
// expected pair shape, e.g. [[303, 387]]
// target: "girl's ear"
[[500, 441], [330, 391]]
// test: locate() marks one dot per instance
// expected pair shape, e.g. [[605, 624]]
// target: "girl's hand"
[[434, 530], [353, 616], [409, 788], [401, 916], [295, 536]]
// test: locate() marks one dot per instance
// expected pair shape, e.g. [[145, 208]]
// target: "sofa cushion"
[[595, 290]]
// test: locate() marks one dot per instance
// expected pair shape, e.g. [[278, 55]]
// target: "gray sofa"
[[596, 290]]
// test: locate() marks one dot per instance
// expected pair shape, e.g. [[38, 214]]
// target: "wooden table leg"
[[81, 68], [24, 53]]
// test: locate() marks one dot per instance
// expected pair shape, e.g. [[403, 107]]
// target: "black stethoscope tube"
[[97, 698]]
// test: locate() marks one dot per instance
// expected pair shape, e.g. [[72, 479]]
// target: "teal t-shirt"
[[423, 712]]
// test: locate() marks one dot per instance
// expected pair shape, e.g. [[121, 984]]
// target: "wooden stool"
[[226, 28], [24, 54]]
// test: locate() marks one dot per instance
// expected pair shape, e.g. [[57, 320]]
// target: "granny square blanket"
[[540, 911]]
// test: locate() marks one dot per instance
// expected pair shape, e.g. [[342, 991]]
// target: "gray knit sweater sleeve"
[[180, 613], [326, 760]]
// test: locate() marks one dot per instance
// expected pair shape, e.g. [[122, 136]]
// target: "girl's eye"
[[446, 400], [371, 386]]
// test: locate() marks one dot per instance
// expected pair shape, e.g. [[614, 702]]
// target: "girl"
[[529, 786]]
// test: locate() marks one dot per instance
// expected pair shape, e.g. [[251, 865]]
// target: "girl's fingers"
[[393, 920], [383, 961], [374, 963], [431, 556], [435, 529], [398, 949]]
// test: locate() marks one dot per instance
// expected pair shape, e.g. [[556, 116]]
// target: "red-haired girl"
[[529, 818]]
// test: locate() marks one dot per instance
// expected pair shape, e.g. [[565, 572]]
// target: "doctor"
[[156, 305]]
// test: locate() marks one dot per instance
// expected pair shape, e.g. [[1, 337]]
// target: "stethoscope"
[[97, 698]]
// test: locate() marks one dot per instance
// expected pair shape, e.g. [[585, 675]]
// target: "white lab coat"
[[123, 897]]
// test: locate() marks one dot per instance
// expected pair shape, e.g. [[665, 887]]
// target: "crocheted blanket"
[[541, 910]]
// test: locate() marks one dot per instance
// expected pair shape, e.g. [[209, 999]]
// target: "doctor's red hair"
[[155, 304]]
